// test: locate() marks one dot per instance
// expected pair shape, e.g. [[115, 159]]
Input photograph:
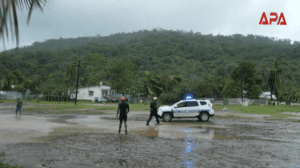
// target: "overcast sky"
[[78, 18]]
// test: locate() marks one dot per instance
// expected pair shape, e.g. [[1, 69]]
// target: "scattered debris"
[[225, 109]]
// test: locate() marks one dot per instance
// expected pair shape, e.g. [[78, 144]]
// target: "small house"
[[92, 92]]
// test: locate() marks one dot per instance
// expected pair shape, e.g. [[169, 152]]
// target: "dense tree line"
[[158, 62]]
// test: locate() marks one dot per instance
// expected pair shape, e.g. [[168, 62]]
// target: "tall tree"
[[251, 81], [120, 73], [274, 79], [231, 88]]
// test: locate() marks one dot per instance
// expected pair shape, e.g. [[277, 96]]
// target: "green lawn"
[[88, 108], [274, 111], [267, 109], [85, 107]]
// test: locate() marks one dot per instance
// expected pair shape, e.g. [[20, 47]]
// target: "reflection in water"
[[170, 131], [187, 160], [24, 128]]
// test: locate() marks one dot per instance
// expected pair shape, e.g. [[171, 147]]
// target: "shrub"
[[168, 98]]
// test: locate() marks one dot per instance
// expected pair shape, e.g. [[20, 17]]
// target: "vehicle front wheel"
[[167, 117], [204, 117]]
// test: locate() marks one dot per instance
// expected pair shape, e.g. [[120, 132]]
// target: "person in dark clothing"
[[19, 106], [123, 108], [153, 112]]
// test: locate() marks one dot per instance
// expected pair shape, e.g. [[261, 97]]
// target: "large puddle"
[[19, 129], [189, 137]]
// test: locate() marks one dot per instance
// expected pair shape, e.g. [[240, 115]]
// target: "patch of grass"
[[2, 165], [140, 107], [274, 111], [66, 107], [59, 108], [218, 107], [267, 109], [34, 101]]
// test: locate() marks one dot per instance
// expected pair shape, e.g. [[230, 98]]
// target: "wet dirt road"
[[92, 141]]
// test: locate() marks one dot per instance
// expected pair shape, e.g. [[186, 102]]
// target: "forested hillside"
[[184, 58]]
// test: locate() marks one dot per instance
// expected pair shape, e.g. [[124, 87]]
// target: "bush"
[[168, 98]]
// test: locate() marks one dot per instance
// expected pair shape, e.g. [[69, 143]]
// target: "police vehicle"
[[188, 108]]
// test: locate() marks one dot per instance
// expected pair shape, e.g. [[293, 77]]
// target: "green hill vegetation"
[[159, 62]]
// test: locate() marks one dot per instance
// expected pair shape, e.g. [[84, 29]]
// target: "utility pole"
[[77, 82], [241, 84]]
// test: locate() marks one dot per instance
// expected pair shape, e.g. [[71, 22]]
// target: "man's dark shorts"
[[18, 109], [123, 117]]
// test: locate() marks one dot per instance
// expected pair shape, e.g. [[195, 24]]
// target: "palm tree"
[[291, 93], [151, 84], [8, 14], [72, 68], [155, 84], [274, 79], [169, 81]]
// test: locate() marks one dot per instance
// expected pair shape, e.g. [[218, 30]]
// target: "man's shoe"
[[147, 124], [125, 132], [119, 131], [157, 124]]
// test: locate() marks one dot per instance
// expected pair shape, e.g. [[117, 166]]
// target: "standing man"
[[153, 112], [19, 106], [122, 108]]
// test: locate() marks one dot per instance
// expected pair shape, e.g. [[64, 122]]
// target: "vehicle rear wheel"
[[204, 116], [167, 117]]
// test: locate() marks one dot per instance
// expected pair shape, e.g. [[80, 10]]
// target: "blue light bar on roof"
[[188, 96]]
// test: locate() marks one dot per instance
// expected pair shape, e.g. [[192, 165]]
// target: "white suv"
[[202, 109]]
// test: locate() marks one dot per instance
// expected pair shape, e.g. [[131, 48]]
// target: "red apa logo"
[[264, 19]]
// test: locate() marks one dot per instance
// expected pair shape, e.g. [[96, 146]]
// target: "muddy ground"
[[92, 141]]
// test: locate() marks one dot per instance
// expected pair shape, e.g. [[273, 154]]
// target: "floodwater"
[[93, 141]]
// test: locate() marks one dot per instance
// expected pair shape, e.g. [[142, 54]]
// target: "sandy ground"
[[92, 141]]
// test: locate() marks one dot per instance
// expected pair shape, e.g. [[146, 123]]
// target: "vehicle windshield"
[[174, 104]]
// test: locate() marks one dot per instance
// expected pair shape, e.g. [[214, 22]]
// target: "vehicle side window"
[[182, 104], [192, 103], [203, 103]]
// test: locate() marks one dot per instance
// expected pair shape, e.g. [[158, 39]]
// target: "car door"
[[192, 108], [204, 105], [180, 110]]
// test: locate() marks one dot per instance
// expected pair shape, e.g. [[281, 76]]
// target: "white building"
[[91, 92], [267, 95]]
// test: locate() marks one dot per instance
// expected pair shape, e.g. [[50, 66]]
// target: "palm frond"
[[10, 6]]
